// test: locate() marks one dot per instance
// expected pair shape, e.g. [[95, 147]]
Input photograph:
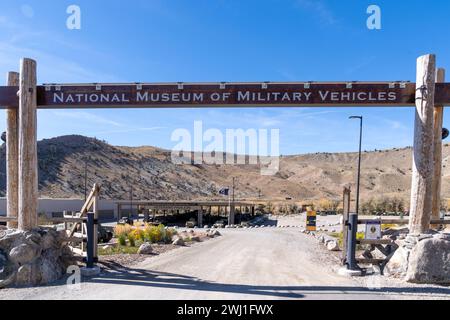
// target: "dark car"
[[126, 220], [104, 235]]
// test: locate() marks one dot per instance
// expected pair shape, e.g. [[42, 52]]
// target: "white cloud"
[[86, 116], [129, 130]]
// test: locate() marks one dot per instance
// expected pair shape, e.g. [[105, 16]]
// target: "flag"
[[224, 191]]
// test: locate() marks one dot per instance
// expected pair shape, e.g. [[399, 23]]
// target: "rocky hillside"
[[152, 174]]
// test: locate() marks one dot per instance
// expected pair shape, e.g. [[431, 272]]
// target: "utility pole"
[[233, 188], [85, 179], [131, 200]]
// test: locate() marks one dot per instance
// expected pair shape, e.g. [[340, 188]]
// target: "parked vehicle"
[[191, 223], [104, 235], [126, 220], [219, 224]]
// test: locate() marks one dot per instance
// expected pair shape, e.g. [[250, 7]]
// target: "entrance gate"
[[22, 97]]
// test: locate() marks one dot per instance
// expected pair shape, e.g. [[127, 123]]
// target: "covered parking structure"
[[201, 208]]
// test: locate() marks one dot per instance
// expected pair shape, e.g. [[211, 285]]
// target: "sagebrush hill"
[[151, 173]]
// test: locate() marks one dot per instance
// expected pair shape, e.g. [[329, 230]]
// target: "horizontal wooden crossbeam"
[[401, 221], [252, 94]]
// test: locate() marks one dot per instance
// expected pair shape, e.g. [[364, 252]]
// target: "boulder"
[[216, 233], [10, 238], [49, 269], [195, 238], [3, 261], [178, 242], [48, 241], [33, 257], [25, 275], [333, 245], [145, 248], [429, 262], [24, 253], [33, 237]]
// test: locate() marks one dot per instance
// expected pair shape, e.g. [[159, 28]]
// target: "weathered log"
[[422, 167], [28, 165], [437, 176], [12, 157]]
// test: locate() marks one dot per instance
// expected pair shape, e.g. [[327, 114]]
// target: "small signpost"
[[373, 230], [311, 218]]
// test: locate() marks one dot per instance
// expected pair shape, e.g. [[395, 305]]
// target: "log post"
[[28, 165], [422, 166], [438, 121], [12, 157]]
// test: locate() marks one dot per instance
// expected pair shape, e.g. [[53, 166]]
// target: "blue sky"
[[208, 40]]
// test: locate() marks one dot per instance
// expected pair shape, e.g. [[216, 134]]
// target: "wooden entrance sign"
[[26, 97], [179, 95]]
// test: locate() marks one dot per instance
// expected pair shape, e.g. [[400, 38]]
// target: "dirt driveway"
[[263, 263]]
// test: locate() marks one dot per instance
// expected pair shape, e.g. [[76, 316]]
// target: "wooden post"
[[422, 167], [28, 165], [96, 209], [12, 157], [437, 176]]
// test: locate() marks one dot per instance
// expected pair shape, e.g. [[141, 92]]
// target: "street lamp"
[[359, 160]]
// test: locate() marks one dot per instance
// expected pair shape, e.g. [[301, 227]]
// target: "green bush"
[[122, 240], [158, 234], [131, 240]]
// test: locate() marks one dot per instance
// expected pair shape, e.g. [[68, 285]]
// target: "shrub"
[[158, 234], [122, 240], [120, 230], [131, 240], [138, 234]]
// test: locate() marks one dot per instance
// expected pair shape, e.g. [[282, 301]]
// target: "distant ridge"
[[153, 176]]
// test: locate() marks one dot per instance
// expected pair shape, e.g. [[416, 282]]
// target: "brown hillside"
[[153, 176]]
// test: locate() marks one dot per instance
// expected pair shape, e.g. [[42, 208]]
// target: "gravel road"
[[263, 263]]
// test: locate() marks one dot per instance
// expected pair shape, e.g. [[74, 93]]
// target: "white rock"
[[429, 262], [333, 245], [178, 242], [145, 248]]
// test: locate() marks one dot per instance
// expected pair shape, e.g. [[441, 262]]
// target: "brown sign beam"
[[271, 94]]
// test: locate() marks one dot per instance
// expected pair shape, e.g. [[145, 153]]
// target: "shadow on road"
[[117, 274]]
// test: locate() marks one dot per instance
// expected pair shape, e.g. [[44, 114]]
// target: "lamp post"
[[352, 223], [359, 160]]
